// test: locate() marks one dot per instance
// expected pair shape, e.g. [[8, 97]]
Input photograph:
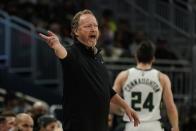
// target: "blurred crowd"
[[19, 115], [116, 39]]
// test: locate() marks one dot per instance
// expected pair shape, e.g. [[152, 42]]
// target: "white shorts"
[[144, 126]]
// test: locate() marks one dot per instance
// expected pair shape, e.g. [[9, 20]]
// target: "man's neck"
[[143, 66]]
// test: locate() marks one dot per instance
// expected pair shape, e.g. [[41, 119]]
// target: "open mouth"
[[92, 36]]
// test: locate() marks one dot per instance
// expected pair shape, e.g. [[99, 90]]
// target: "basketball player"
[[143, 87]]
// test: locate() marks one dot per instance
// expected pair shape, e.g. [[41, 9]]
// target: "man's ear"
[[99, 33], [76, 32]]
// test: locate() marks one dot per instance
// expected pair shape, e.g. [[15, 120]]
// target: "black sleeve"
[[69, 56], [112, 93]]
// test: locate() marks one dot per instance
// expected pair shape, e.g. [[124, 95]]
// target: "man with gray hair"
[[87, 88]]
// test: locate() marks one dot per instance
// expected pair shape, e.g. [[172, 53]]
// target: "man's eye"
[[88, 26]]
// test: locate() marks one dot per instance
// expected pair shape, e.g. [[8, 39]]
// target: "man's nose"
[[93, 27]]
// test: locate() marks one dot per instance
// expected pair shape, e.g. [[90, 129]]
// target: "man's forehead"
[[87, 18], [26, 121]]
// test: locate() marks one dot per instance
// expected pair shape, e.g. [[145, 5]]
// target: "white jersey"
[[143, 92]]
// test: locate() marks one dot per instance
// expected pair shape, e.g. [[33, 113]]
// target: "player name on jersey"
[[144, 81]]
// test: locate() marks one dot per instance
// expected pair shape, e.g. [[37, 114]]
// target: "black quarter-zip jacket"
[[87, 90]]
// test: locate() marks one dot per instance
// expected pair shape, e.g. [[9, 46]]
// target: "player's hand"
[[132, 116], [51, 39]]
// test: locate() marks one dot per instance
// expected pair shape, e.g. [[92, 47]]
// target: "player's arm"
[[117, 100], [53, 41], [118, 84], [169, 102], [120, 81]]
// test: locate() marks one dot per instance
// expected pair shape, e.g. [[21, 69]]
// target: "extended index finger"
[[45, 37], [50, 33]]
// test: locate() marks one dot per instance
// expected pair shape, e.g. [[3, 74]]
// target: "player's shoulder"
[[121, 79], [164, 78], [130, 70], [163, 75], [123, 73]]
